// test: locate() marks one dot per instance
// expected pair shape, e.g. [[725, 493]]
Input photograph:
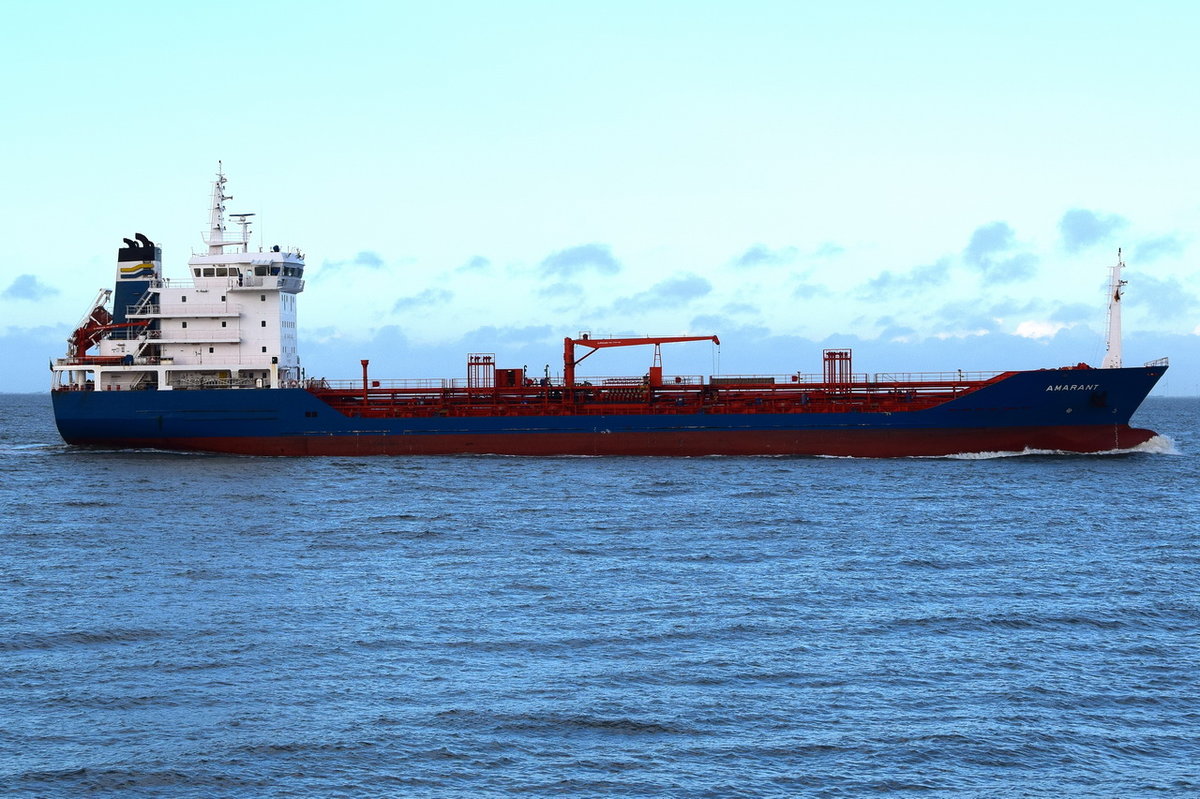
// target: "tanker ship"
[[210, 363]]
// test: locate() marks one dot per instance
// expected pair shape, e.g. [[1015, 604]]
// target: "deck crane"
[[595, 344], [93, 327], [90, 327]]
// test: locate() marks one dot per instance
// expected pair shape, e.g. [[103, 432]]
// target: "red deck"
[[722, 395]]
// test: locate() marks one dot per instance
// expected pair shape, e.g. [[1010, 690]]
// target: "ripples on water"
[[178, 625]]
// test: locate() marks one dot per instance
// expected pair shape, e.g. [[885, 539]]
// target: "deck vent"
[[838, 373]]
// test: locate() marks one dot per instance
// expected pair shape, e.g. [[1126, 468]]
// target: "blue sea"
[[178, 625]]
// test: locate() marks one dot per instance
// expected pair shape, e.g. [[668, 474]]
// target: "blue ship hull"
[[1080, 410]]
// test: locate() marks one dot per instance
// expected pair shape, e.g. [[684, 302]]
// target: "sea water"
[[196, 625]]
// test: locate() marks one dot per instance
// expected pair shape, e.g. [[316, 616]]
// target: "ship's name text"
[[1073, 387]]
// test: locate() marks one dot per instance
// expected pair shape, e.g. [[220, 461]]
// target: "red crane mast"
[[570, 361]]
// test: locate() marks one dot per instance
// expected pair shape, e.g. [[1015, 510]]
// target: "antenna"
[[244, 221]]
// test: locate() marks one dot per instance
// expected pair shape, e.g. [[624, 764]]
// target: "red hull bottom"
[[893, 443]]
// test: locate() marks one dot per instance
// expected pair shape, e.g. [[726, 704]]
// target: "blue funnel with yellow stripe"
[[139, 269]]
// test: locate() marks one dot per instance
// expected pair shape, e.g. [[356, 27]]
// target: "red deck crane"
[[570, 361], [97, 322]]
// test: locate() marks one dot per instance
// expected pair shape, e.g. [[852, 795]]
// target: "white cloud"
[[1081, 228], [762, 255], [574, 260], [1039, 329], [427, 298], [991, 252], [28, 287]]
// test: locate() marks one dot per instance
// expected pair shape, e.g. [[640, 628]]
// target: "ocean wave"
[[52, 640]]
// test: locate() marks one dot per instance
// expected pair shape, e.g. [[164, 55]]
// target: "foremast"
[[1116, 290]]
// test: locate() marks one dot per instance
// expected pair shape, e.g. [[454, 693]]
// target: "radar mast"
[[216, 223], [216, 219]]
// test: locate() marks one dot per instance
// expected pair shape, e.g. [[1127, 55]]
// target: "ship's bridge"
[[270, 270], [280, 268]]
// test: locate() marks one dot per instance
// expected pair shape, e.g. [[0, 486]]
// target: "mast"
[[216, 223], [595, 344], [216, 219], [1116, 288]]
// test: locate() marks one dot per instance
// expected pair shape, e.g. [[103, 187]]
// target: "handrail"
[[116, 360], [223, 336], [958, 376], [183, 309], [729, 382]]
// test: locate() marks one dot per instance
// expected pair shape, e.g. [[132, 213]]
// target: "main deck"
[[677, 395]]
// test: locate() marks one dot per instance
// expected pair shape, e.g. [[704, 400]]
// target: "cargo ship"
[[210, 363]]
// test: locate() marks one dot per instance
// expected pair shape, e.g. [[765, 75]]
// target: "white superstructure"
[[230, 324]]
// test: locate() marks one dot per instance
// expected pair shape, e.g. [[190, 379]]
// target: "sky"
[[936, 185]]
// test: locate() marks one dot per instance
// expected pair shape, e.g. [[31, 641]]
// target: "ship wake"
[[1158, 445]]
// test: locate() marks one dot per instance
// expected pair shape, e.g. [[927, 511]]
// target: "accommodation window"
[[210, 349], [264, 323], [183, 298], [222, 324], [264, 349], [184, 324], [262, 297]]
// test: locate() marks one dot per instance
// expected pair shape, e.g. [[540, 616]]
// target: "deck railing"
[[957, 376], [183, 309], [222, 336], [882, 380]]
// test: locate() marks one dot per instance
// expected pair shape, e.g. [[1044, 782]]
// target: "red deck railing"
[[608, 397]]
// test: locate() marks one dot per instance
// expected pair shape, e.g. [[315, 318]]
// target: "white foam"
[[984, 456], [30, 449], [1158, 445]]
